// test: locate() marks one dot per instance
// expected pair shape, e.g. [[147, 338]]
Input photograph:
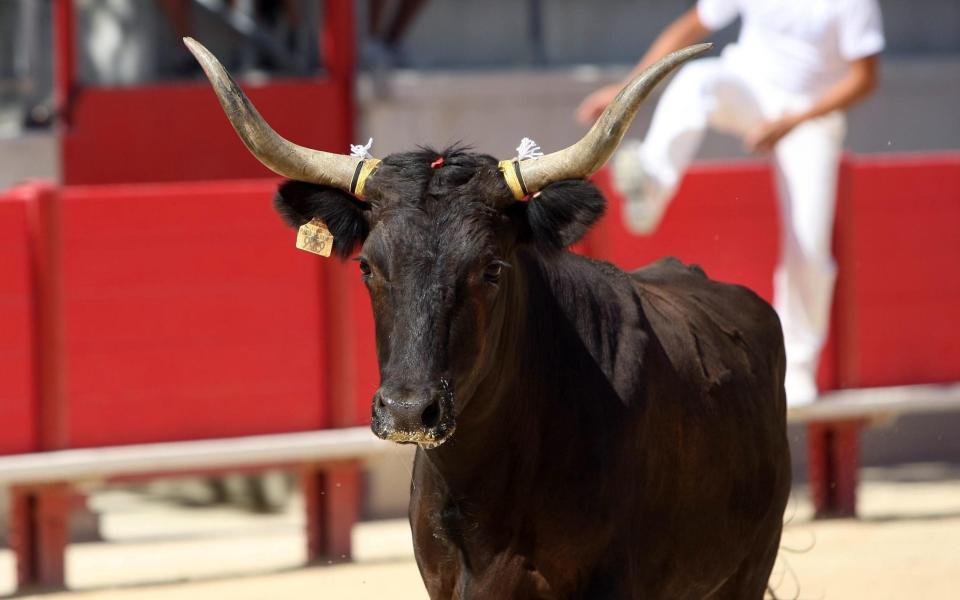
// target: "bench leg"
[[39, 532], [332, 501], [833, 458]]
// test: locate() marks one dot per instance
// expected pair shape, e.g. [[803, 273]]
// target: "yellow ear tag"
[[315, 237]]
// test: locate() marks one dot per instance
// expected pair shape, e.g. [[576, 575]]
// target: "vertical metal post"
[[332, 492], [339, 56], [845, 317], [536, 50], [846, 452], [64, 58], [39, 532], [46, 252], [833, 457], [833, 449], [818, 467], [40, 516], [23, 536]]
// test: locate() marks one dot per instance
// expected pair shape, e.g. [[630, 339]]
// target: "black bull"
[[583, 432]]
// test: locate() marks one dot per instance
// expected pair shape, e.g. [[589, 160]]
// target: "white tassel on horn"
[[361, 151], [528, 149]]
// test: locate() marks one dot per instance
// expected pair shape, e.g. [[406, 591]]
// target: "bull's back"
[[714, 425]]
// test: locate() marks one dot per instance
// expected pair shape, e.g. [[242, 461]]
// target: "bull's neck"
[[541, 356]]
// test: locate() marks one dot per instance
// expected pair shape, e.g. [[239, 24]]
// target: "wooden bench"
[[834, 424], [43, 492]]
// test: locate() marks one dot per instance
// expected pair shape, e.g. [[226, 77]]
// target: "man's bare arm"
[[859, 82]]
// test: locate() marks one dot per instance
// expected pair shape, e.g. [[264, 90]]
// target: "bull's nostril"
[[430, 415], [378, 404]]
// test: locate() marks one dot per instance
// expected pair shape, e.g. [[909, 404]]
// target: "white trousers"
[[714, 92]]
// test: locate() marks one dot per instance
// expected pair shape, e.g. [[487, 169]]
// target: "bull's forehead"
[[428, 237]]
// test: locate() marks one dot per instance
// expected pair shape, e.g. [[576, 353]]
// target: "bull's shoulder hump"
[[668, 268], [675, 293], [688, 282], [723, 338]]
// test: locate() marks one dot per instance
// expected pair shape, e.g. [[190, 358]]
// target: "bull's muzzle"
[[409, 415]]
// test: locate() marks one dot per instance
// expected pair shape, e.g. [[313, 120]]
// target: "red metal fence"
[[187, 315], [161, 312], [158, 313], [899, 322]]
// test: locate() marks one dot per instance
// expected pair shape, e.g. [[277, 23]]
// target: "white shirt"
[[800, 46]]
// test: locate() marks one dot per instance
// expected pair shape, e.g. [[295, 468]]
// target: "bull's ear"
[[345, 216], [564, 211]]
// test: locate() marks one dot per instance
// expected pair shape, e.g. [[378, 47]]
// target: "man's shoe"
[[642, 207]]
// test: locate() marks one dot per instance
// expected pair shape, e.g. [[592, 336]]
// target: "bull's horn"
[[281, 156], [585, 157]]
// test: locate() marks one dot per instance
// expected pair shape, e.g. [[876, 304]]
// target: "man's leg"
[[806, 167], [647, 173], [704, 93]]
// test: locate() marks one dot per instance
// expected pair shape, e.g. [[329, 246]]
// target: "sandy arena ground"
[[906, 545]]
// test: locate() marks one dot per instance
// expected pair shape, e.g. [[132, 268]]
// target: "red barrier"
[[189, 314], [176, 294], [17, 348], [161, 313], [900, 318], [35, 415]]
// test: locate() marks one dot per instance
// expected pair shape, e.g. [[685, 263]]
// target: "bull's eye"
[[365, 270], [492, 273]]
